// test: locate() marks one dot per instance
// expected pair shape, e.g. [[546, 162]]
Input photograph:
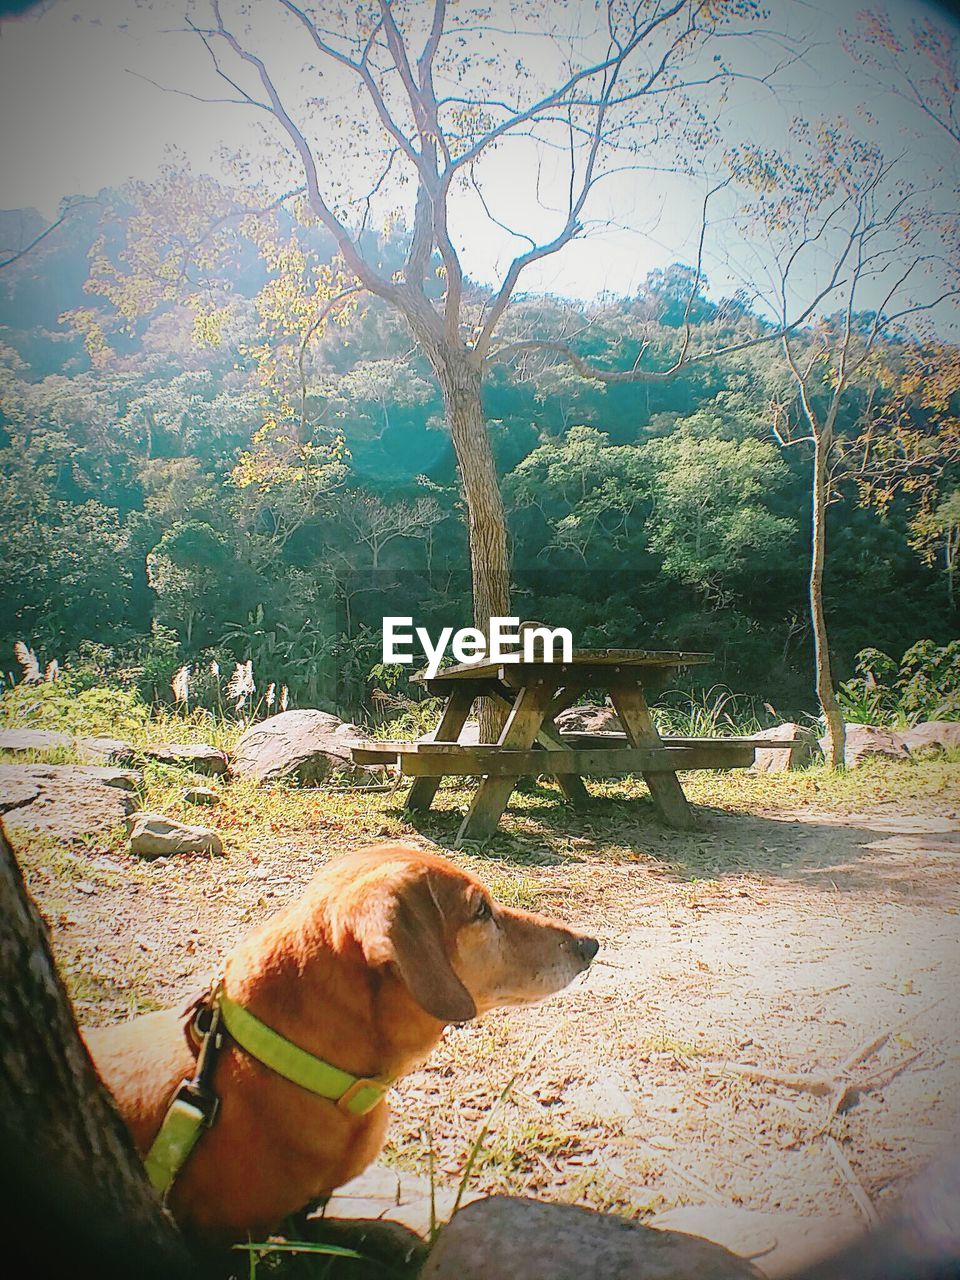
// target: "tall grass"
[[709, 713]]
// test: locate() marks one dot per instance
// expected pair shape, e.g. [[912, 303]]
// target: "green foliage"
[[709, 713], [72, 707], [191, 501], [924, 685]]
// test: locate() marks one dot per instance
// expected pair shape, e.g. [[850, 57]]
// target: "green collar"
[[194, 1106], [351, 1093]]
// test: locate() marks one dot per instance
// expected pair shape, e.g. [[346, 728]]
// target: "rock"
[[779, 1244], [505, 1236], [114, 750], [198, 756], [154, 836], [777, 759], [201, 795], [469, 734], [383, 1192], [933, 735], [96, 750], [305, 744], [33, 740], [589, 718], [67, 800], [865, 740]]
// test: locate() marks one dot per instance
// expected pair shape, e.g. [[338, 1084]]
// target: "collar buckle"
[[361, 1097]]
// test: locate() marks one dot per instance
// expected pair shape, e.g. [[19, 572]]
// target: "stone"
[[774, 759], [469, 735], [154, 836], [779, 1244], [590, 717], [504, 1237], [95, 750], [111, 750], [394, 1195], [201, 795], [33, 740], [866, 740], [304, 744], [198, 756], [67, 800], [932, 735]]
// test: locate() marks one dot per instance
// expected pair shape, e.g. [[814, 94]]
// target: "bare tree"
[[428, 100], [845, 214]]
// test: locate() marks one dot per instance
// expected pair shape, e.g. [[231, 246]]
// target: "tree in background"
[[844, 213], [424, 97]]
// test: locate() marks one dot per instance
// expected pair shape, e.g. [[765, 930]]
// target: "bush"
[[924, 686]]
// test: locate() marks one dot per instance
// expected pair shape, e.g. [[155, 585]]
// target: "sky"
[[80, 109]]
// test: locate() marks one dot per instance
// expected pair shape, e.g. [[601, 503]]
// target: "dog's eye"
[[484, 910]]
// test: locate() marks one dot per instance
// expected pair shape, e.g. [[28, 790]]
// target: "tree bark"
[[833, 717], [486, 520], [77, 1195]]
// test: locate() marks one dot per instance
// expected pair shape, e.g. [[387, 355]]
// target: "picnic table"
[[530, 743]]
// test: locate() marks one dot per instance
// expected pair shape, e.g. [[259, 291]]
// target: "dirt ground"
[[771, 1023]]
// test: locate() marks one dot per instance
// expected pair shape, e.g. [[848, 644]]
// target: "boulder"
[[197, 755], [932, 735], [776, 759], [201, 795], [505, 1236], [866, 740], [96, 750], [589, 718], [154, 836], [67, 800], [306, 744]]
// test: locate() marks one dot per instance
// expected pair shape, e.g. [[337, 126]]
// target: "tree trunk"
[[835, 729], [76, 1196], [487, 525]]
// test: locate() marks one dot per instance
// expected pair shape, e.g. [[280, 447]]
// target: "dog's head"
[[456, 950]]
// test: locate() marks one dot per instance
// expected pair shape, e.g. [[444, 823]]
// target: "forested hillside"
[[197, 483]]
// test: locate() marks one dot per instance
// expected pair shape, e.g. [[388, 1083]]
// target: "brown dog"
[[385, 948]]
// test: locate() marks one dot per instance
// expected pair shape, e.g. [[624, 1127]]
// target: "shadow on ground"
[[883, 850]]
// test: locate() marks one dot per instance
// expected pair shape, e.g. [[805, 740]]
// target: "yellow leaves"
[[208, 322]]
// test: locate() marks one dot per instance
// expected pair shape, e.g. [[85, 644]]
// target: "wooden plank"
[[580, 657], [549, 737], [518, 734], [494, 762], [383, 753], [665, 789], [583, 676], [611, 738], [571, 784], [453, 718]]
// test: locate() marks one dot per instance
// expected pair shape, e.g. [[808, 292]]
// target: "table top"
[[663, 658]]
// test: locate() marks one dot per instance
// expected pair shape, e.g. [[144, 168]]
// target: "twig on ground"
[[852, 1182]]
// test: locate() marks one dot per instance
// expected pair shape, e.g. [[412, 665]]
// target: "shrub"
[[924, 686]]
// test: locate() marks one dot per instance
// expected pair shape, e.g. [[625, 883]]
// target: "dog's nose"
[[587, 948]]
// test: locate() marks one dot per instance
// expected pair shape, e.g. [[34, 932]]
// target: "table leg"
[[519, 734], [454, 717], [548, 735], [665, 789], [571, 784]]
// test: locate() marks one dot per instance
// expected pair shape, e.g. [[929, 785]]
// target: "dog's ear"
[[408, 930]]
